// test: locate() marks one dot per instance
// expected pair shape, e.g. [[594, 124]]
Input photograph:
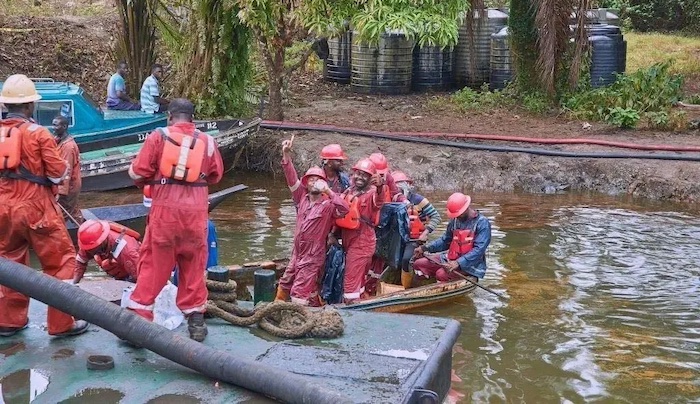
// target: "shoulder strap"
[[24, 173]]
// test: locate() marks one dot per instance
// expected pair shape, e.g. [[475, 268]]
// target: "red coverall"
[[359, 244], [120, 263], [29, 216], [69, 190], [176, 230], [377, 265], [314, 221]]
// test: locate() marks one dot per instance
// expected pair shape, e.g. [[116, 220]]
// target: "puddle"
[[12, 348], [104, 396], [22, 386], [63, 353], [174, 399]]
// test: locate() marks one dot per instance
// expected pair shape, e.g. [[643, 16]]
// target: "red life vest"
[[351, 220], [416, 225], [462, 242], [182, 155]]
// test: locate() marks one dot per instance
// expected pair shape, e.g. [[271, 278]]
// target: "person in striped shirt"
[[151, 100], [428, 216]]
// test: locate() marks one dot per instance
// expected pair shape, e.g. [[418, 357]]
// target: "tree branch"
[[302, 61]]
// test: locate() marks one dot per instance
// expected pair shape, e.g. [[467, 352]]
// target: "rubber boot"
[[197, 327], [282, 295], [406, 279], [79, 327]]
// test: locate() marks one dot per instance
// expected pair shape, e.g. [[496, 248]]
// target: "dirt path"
[[448, 168]]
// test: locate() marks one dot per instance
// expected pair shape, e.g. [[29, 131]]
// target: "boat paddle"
[[72, 219], [461, 275]]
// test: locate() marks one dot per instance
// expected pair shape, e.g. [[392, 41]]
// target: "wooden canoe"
[[390, 298]]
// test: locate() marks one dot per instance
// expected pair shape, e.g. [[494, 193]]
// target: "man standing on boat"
[[462, 249], [69, 189], [115, 250], [29, 217], [332, 159], [179, 162], [317, 208], [151, 101], [423, 219], [117, 97], [365, 199]]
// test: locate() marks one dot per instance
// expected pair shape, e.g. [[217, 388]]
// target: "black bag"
[[332, 285], [392, 233]]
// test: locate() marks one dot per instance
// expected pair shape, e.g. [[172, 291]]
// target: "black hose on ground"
[[269, 381], [474, 146]]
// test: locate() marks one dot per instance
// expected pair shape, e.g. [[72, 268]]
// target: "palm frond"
[[581, 42]]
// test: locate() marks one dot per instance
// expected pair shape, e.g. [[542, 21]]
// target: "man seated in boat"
[[151, 100], [423, 219], [114, 247], [117, 97], [317, 208], [461, 251]]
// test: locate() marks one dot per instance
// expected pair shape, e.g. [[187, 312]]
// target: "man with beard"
[[365, 198], [317, 208], [69, 189], [332, 159]]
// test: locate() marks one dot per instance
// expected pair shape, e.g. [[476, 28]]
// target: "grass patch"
[[647, 49]]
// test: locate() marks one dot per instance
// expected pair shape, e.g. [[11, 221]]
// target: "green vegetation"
[[136, 40], [646, 49]]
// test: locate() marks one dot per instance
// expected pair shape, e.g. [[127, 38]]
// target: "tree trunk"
[[276, 74], [275, 110]]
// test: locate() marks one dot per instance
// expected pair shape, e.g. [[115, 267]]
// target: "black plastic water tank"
[[337, 66], [382, 68], [432, 68], [604, 60], [501, 60]]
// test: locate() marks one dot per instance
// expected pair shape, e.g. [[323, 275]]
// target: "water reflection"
[[603, 293], [23, 386]]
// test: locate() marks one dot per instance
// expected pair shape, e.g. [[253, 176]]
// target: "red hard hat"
[[400, 176], [380, 163], [365, 165], [457, 204], [92, 233], [315, 170], [333, 152]]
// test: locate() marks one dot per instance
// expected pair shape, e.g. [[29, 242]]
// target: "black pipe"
[[269, 381], [474, 146]]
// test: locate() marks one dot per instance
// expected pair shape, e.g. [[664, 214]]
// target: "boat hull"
[[393, 298], [133, 216], [111, 171]]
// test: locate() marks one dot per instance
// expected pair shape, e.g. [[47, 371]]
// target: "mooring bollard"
[[218, 273], [264, 288]]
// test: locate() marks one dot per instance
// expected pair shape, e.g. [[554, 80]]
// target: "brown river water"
[[602, 293]]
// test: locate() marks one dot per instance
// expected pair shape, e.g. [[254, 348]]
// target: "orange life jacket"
[[351, 220], [416, 226], [11, 153], [10, 147], [107, 261], [182, 155], [462, 242]]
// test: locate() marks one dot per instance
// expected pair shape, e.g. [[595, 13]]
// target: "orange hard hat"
[[365, 165], [313, 171], [457, 204], [18, 89], [333, 152], [92, 233], [400, 176], [380, 163]]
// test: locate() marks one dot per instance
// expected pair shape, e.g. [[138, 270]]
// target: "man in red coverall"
[[29, 215], [177, 222], [69, 190], [115, 253], [317, 208], [359, 244], [392, 193]]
